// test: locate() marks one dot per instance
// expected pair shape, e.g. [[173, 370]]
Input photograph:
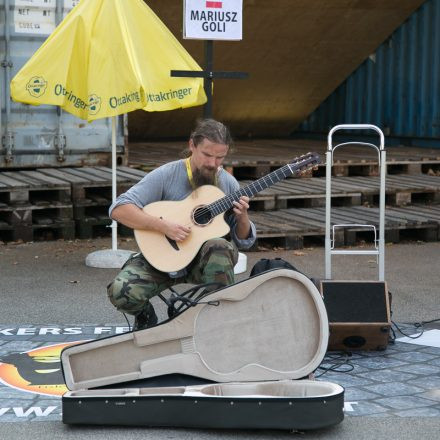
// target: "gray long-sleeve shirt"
[[170, 182]]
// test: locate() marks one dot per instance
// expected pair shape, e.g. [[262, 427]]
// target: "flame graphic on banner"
[[36, 371]]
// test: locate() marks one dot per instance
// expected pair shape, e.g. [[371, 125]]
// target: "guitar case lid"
[[272, 326]]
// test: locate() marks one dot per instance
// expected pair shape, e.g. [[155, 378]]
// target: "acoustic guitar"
[[201, 211]]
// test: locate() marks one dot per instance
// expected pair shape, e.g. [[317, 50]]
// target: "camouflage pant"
[[138, 281]]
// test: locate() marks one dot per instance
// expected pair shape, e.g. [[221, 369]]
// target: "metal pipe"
[[357, 127], [354, 252], [114, 224], [1, 105], [7, 60], [383, 170], [209, 55], [60, 140], [328, 202], [59, 12], [7, 64], [362, 144]]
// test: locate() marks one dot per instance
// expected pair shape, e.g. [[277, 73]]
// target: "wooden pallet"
[[93, 185], [31, 201], [99, 226], [57, 229], [347, 191], [253, 159], [92, 227], [45, 203], [400, 189], [19, 232], [92, 195], [32, 188], [67, 201], [289, 228]]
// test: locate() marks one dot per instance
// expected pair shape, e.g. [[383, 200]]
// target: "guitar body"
[[168, 255], [201, 211]]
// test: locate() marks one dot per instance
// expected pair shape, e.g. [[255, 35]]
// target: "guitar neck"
[[227, 202]]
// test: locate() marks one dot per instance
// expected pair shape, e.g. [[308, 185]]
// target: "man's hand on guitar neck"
[[241, 214]]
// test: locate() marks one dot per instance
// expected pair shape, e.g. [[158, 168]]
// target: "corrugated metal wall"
[[396, 88], [296, 53], [42, 136]]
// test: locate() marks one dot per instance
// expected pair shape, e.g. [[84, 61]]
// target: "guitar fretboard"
[[227, 202]]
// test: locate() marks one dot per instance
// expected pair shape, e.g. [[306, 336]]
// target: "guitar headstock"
[[305, 162]]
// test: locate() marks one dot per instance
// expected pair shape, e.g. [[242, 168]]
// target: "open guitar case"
[[238, 357]]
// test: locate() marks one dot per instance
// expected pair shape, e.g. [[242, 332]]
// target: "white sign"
[[34, 20], [67, 4], [38, 16], [36, 3], [213, 20]]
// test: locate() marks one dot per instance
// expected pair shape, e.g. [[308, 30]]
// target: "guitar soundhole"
[[202, 216]]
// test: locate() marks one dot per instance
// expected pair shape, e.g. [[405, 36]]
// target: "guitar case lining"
[[255, 340]]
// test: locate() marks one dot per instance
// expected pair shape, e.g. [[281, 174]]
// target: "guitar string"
[[228, 199], [225, 202]]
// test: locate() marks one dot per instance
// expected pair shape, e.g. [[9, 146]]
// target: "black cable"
[[392, 338], [344, 366], [193, 296], [431, 321], [340, 364], [128, 322], [416, 325]]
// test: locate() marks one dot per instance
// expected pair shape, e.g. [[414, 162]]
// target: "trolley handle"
[[331, 148], [356, 127]]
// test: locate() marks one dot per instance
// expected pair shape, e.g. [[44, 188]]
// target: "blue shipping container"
[[397, 88]]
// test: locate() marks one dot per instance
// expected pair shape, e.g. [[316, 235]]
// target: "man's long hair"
[[212, 130]]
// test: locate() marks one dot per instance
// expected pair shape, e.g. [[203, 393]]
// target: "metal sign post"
[[211, 20], [208, 76]]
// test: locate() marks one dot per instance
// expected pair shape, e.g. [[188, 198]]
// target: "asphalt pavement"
[[48, 284]]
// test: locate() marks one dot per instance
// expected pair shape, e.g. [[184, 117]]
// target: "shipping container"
[[396, 88], [296, 53], [43, 136]]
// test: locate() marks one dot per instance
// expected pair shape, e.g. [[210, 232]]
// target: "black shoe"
[[145, 319]]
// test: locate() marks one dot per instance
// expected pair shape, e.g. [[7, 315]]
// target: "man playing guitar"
[[139, 281]]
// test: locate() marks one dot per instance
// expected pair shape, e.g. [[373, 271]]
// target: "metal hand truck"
[[379, 243]]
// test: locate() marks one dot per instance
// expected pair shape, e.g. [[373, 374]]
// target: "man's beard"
[[204, 178]]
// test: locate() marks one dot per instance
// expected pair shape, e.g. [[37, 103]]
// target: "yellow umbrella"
[[106, 58]]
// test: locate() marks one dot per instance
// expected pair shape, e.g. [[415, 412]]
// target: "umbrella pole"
[[110, 258], [114, 224]]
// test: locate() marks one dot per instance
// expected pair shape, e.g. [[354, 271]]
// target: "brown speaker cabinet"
[[358, 313]]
